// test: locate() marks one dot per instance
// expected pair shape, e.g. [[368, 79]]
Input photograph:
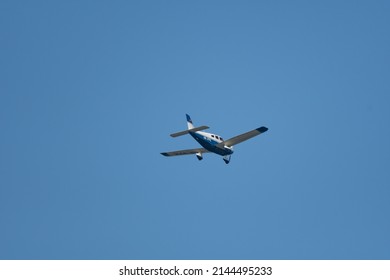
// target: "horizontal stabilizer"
[[185, 152], [180, 133]]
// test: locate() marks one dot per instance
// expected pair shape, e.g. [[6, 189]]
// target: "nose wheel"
[[226, 159]]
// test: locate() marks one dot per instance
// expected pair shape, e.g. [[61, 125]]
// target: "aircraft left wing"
[[185, 152], [243, 137]]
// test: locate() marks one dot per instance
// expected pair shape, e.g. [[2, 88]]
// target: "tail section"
[[191, 128], [189, 122], [195, 129]]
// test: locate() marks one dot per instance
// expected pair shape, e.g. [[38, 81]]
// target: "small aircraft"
[[212, 143]]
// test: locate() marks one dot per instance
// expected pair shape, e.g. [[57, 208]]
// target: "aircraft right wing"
[[243, 137], [185, 152]]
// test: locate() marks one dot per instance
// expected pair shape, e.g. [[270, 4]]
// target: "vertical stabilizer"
[[189, 122]]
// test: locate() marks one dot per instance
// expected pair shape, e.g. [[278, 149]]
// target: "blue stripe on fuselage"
[[210, 144]]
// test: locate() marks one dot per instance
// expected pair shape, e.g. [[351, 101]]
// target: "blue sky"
[[91, 90]]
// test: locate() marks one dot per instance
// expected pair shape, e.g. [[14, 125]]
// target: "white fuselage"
[[211, 142]]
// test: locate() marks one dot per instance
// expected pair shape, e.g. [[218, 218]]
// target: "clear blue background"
[[91, 90]]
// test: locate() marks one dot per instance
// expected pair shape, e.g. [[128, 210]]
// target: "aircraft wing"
[[243, 137], [185, 152]]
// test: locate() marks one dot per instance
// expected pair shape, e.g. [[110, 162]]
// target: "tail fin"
[[189, 122], [191, 128]]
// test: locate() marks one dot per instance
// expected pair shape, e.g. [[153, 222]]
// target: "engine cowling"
[[199, 156], [229, 148]]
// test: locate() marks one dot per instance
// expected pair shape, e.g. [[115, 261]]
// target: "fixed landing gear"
[[226, 159]]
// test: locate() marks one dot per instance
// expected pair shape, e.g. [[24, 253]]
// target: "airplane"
[[211, 143]]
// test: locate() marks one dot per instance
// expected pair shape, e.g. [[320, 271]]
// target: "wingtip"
[[262, 129], [164, 154]]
